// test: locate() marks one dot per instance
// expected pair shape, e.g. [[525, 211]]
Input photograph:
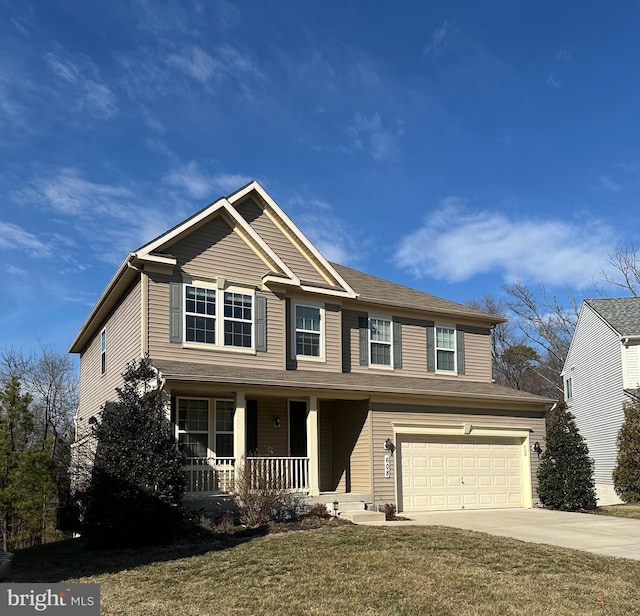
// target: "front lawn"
[[345, 569], [629, 510]]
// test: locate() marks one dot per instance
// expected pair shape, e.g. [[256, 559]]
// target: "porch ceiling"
[[346, 382]]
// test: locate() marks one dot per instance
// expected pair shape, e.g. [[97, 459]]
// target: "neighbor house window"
[[225, 410], [193, 427], [308, 331], [446, 349], [569, 388], [103, 351], [200, 314], [238, 319], [379, 342]]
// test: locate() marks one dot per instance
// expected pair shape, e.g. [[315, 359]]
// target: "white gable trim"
[[217, 208], [295, 231]]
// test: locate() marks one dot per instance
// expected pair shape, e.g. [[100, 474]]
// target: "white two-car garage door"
[[437, 473]]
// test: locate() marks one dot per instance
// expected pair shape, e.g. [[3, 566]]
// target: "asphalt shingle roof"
[[339, 381], [622, 313]]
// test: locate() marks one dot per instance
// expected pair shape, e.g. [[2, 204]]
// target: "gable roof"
[[374, 290], [621, 313]]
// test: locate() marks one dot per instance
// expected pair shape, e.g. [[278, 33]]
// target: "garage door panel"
[[442, 473]]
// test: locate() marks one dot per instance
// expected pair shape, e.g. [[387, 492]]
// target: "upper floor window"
[[308, 331], [103, 351], [446, 349], [204, 324], [380, 341]]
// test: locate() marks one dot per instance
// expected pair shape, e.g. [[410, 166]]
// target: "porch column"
[[239, 430], [312, 446]]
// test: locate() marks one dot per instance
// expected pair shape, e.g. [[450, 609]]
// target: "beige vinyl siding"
[[324, 445], [350, 447], [161, 348], [293, 256], [384, 415], [271, 440], [414, 347], [123, 330], [214, 249]]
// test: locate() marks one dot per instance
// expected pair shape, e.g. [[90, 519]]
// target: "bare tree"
[[625, 272]]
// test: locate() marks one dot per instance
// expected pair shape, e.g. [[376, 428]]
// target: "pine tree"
[[565, 475], [137, 481], [626, 475], [27, 486]]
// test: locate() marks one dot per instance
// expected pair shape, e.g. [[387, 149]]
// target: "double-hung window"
[[218, 318], [238, 319], [380, 341], [200, 314], [446, 349], [308, 331], [568, 390], [193, 427]]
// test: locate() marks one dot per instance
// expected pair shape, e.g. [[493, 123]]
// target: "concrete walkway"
[[598, 534]]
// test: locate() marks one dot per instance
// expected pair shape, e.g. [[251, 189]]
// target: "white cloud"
[[196, 63], [82, 85], [609, 184], [553, 81], [13, 237], [456, 244], [564, 55], [368, 133], [229, 182], [438, 41], [201, 185]]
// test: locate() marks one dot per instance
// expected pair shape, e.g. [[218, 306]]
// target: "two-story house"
[[338, 381], [601, 371]]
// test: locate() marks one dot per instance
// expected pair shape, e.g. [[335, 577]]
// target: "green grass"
[[630, 510], [345, 570]]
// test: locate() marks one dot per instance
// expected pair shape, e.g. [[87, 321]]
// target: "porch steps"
[[358, 517]]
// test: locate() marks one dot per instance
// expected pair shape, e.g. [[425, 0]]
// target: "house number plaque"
[[387, 466]]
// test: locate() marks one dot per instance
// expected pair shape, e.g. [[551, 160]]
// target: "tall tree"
[[137, 481], [624, 269], [565, 474], [27, 487], [626, 474]]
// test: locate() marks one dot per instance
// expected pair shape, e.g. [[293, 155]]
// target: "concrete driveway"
[[598, 534]]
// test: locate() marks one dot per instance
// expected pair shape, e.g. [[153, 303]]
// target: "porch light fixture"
[[537, 448], [335, 509], [389, 446], [276, 422]]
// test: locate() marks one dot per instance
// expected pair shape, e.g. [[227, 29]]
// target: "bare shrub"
[[261, 497], [389, 510]]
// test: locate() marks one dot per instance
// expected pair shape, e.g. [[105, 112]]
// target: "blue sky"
[[449, 146]]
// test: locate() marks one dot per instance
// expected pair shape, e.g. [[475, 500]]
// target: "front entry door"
[[297, 429]]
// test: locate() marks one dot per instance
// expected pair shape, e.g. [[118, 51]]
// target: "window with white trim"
[[380, 342], [200, 314], [103, 351], [308, 331], [238, 319], [446, 349], [225, 410], [206, 323], [193, 427], [568, 390]]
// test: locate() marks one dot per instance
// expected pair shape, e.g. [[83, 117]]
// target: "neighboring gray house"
[[601, 371]]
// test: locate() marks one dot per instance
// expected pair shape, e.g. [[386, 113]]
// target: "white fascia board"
[[162, 259], [255, 186]]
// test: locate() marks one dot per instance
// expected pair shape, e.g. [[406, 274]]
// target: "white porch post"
[[239, 432], [312, 446]]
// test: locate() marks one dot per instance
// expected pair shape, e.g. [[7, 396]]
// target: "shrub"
[[137, 481], [565, 474], [626, 475], [389, 510], [317, 510], [262, 498]]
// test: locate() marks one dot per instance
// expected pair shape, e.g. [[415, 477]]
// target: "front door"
[[297, 429]]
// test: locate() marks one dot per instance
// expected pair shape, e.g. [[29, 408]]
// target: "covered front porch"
[[303, 444]]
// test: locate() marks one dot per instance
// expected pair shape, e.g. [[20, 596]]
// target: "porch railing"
[[290, 474], [214, 475], [217, 475]]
